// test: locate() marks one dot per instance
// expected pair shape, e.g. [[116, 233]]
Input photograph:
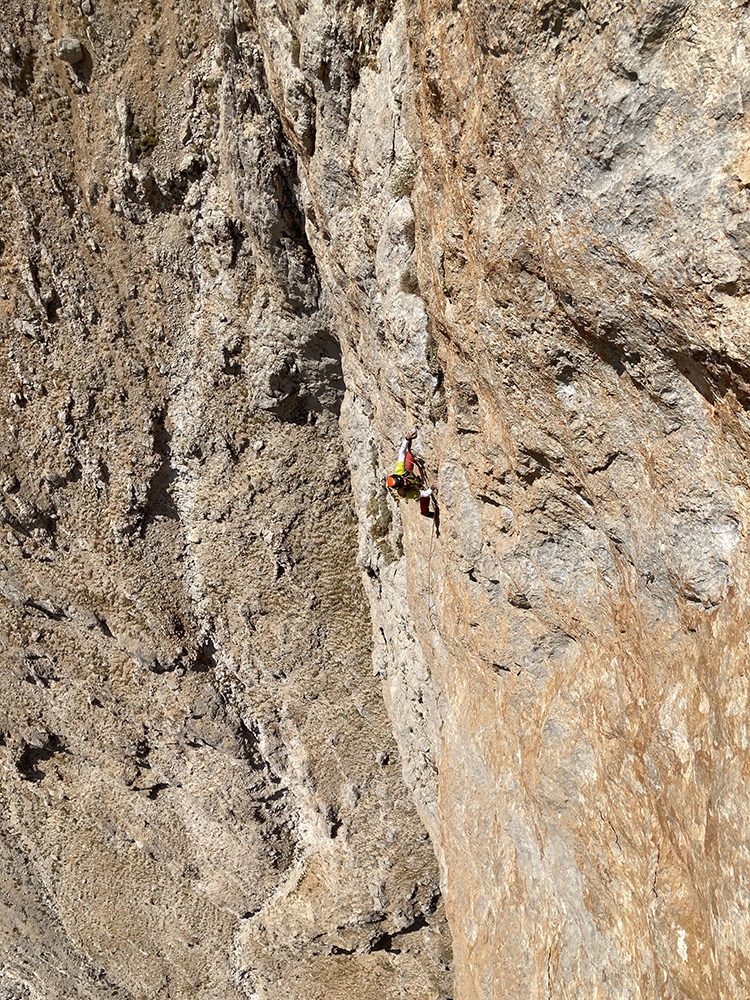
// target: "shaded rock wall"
[[240, 250], [201, 790]]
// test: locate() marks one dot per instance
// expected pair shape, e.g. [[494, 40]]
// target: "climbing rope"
[[429, 572]]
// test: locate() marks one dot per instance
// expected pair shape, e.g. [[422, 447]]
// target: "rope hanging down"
[[429, 575]]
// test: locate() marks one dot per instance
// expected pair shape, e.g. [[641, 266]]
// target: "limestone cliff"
[[263, 733]]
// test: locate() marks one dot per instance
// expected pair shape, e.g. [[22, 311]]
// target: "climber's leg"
[[424, 507]]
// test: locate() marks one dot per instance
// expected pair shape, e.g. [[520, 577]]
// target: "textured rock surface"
[[586, 190], [201, 791], [241, 248]]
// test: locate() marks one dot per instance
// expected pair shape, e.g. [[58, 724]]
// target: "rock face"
[[201, 791], [240, 249]]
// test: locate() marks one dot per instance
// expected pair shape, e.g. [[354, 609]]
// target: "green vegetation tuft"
[[380, 514], [381, 519], [403, 176], [210, 96], [142, 142], [438, 406]]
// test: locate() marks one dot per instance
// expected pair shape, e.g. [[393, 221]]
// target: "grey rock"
[[70, 50], [525, 226]]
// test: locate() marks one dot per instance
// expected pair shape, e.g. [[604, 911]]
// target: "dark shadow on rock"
[[310, 383], [159, 501], [31, 756], [205, 659], [714, 374], [85, 67]]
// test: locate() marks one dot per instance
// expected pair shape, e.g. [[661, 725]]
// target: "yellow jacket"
[[411, 490]]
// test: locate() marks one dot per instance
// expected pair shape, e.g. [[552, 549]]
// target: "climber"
[[405, 484]]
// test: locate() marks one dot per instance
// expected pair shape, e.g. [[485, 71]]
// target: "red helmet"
[[395, 482]]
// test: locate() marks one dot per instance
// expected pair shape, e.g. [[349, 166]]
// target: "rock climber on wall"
[[405, 484]]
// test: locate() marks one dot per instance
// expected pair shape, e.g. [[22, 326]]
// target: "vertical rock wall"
[[552, 200], [580, 211], [201, 793], [241, 249]]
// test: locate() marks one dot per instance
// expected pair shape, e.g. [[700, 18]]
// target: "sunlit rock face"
[[262, 729]]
